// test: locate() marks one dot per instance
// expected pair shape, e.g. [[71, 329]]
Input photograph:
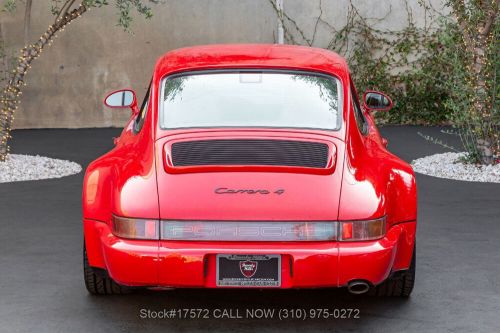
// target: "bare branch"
[[27, 21], [317, 22], [64, 9], [459, 12]]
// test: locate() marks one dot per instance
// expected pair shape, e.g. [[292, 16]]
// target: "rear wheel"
[[400, 284], [98, 283]]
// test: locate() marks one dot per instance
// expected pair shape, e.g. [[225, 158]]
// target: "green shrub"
[[415, 74]]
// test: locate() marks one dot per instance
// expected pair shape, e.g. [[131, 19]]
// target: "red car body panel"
[[308, 196], [362, 181]]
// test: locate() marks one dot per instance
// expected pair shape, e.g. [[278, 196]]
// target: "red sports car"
[[250, 166]]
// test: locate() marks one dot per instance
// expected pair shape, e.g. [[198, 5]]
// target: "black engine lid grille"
[[250, 152]]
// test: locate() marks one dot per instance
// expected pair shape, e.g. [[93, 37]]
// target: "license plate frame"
[[228, 266]]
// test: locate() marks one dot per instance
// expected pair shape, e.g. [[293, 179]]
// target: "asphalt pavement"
[[41, 284]]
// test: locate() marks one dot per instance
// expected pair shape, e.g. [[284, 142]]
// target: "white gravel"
[[27, 167], [448, 166]]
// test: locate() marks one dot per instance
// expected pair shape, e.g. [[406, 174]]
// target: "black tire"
[[399, 284], [99, 284]]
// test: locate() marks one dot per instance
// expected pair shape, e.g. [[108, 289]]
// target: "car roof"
[[250, 56]]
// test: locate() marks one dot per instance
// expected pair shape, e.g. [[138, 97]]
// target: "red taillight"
[[362, 230], [135, 228], [346, 230]]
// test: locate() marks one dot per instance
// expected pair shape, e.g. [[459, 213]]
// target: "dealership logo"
[[225, 190], [248, 268]]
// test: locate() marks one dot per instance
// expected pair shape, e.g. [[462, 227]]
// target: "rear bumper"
[[303, 265]]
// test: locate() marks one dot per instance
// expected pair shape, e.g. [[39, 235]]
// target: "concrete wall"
[[93, 56]]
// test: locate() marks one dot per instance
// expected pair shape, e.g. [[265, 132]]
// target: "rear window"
[[250, 99]]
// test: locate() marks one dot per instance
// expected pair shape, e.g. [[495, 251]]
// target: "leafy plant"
[[65, 12], [443, 72], [474, 92], [396, 62]]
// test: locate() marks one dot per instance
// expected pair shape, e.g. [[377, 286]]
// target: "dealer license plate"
[[248, 270]]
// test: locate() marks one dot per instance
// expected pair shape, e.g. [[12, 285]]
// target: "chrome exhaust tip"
[[358, 287]]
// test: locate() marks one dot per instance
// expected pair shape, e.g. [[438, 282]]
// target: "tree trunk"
[[10, 96], [481, 110], [4, 68], [477, 38]]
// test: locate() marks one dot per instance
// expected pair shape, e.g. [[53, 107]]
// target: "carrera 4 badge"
[[225, 190]]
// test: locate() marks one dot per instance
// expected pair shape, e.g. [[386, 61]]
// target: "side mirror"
[[124, 98], [376, 101]]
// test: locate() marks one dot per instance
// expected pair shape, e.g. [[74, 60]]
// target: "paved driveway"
[[41, 286]]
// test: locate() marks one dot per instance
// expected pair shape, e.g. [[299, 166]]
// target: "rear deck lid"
[[249, 176]]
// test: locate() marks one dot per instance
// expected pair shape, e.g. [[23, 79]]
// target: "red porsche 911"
[[250, 166]]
